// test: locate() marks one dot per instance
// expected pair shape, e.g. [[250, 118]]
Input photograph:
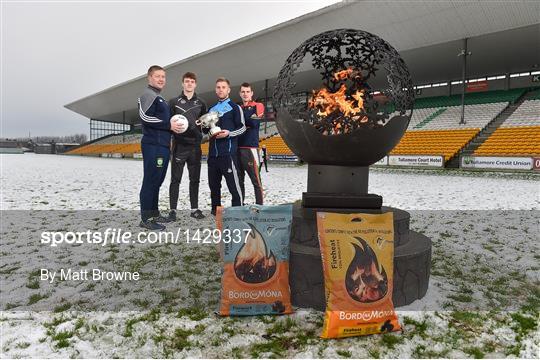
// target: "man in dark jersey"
[[156, 127], [248, 142], [186, 147], [223, 147]]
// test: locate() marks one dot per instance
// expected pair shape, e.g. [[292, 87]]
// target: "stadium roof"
[[504, 37]]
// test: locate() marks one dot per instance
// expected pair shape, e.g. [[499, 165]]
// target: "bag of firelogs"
[[255, 254], [357, 252]]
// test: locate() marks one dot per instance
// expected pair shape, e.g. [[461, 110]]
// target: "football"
[[181, 119]]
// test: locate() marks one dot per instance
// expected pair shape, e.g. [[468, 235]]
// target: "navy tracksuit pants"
[[227, 167], [155, 162]]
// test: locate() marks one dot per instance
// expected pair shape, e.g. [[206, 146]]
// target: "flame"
[[327, 102], [365, 281], [343, 74], [340, 103], [253, 263]]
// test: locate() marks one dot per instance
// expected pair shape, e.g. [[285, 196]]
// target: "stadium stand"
[[534, 95], [434, 128], [124, 138], [485, 97], [512, 141], [128, 144], [527, 114], [204, 148], [434, 142], [276, 146], [476, 116], [125, 144], [519, 134], [271, 130]]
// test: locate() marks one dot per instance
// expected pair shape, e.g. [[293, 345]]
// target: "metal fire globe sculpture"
[[344, 122], [340, 128]]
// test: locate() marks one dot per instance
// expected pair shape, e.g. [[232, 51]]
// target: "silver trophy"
[[209, 121]]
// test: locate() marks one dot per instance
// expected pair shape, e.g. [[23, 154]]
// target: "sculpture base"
[[341, 201], [412, 258], [340, 187]]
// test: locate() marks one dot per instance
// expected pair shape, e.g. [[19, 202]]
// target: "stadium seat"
[[519, 135], [527, 114], [434, 142], [127, 145], [276, 146], [512, 141], [476, 117], [470, 98]]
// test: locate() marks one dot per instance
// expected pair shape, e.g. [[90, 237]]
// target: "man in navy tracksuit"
[[223, 147], [248, 142], [155, 115]]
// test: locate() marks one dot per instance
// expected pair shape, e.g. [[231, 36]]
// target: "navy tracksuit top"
[[231, 117], [253, 112], [155, 115]]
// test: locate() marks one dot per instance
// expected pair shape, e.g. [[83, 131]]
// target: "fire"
[[328, 102], [366, 281], [343, 74], [342, 104], [254, 263]]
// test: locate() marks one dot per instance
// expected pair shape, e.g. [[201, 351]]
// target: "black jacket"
[[192, 109]]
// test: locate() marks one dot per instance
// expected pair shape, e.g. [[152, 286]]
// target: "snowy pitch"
[[485, 261]]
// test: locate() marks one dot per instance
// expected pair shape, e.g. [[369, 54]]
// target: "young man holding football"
[[186, 147]]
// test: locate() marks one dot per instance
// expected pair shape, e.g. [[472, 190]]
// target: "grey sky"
[[56, 52]]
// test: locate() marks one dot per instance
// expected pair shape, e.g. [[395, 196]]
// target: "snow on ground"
[[42, 182], [485, 262]]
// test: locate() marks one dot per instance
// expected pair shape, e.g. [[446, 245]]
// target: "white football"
[[181, 119]]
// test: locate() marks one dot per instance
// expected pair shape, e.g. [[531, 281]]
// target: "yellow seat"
[[512, 141]]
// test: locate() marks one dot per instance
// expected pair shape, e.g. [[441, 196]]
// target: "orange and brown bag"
[[358, 262]]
